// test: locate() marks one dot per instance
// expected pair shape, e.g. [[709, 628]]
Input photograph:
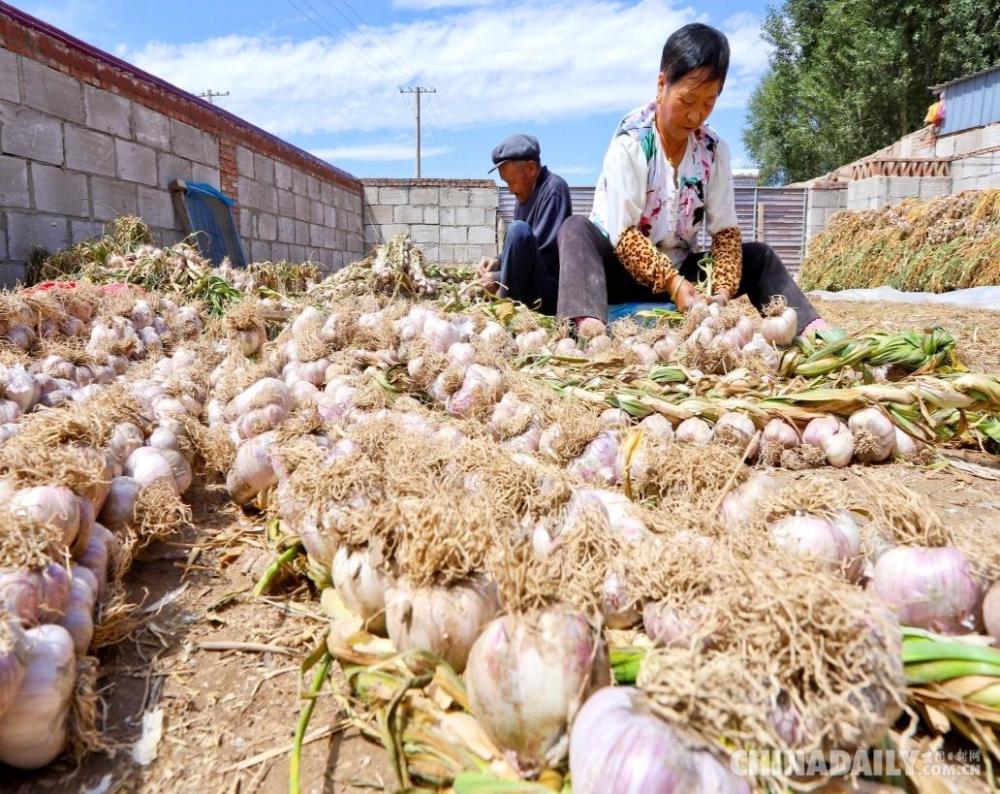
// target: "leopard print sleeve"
[[727, 251], [644, 261]]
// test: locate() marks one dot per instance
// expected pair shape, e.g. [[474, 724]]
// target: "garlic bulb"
[[737, 430], [97, 556], [657, 426], [19, 594], [249, 340], [33, 728], [669, 625], [20, 387], [929, 588], [907, 446], [619, 605], [781, 329], [362, 584], [832, 436], [148, 466], [266, 391], [53, 592], [617, 507], [874, 435], [510, 413], [597, 462], [87, 519], [991, 612], [762, 352], [738, 506], [567, 347], [781, 434], [319, 544], [162, 438], [665, 348], [619, 747], [836, 545], [694, 431], [78, 571], [118, 511], [53, 505], [125, 439], [531, 341], [261, 420], [527, 676], [79, 617], [180, 467], [443, 620], [480, 386], [253, 470], [13, 660], [439, 333], [526, 442], [614, 419]]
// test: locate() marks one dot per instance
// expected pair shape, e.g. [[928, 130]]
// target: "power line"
[[323, 23], [364, 34], [407, 66], [326, 26]]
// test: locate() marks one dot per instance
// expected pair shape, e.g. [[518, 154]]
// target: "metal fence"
[[774, 215]]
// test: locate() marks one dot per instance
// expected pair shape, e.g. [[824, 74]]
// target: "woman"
[[665, 174]]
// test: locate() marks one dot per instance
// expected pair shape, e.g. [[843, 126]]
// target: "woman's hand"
[[685, 295]]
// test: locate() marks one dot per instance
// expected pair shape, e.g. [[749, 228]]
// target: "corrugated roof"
[[966, 77]]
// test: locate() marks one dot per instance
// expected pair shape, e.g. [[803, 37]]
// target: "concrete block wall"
[[977, 172], [73, 156], [822, 204], [288, 214], [86, 137], [887, 191], [454, 221]]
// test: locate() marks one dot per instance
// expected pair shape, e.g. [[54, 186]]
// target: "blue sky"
[[325, 74]]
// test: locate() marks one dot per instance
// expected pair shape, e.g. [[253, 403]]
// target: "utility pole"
[[210, 94], [418, 91]]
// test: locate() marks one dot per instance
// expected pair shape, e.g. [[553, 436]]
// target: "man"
[[528, 267]]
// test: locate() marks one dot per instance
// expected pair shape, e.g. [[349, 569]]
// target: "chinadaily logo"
[[873, 763]]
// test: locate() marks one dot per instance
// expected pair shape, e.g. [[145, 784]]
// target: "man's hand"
[[489, 273], [719, 299], [686, 295]]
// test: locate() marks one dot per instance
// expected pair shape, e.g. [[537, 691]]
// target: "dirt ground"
[[229, 715]]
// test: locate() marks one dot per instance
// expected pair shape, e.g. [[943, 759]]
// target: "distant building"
[[961, 152], [971, 101]]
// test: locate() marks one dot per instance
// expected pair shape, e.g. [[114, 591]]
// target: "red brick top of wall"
[[41, 42], [428, 183]]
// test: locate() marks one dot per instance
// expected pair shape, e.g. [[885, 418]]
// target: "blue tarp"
[[619, 311], [212, 219]]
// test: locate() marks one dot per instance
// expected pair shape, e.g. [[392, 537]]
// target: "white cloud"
[[507, 63], [378, 152], [76, 17]]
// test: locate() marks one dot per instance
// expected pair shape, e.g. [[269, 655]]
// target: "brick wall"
[[85, 137], [454, 221]]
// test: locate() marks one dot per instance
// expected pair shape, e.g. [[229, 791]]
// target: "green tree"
[[848, 77]]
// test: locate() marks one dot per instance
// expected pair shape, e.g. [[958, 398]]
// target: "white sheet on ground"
[[974, 298]]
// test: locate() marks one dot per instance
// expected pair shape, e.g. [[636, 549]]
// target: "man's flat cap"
[[516, 147]]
